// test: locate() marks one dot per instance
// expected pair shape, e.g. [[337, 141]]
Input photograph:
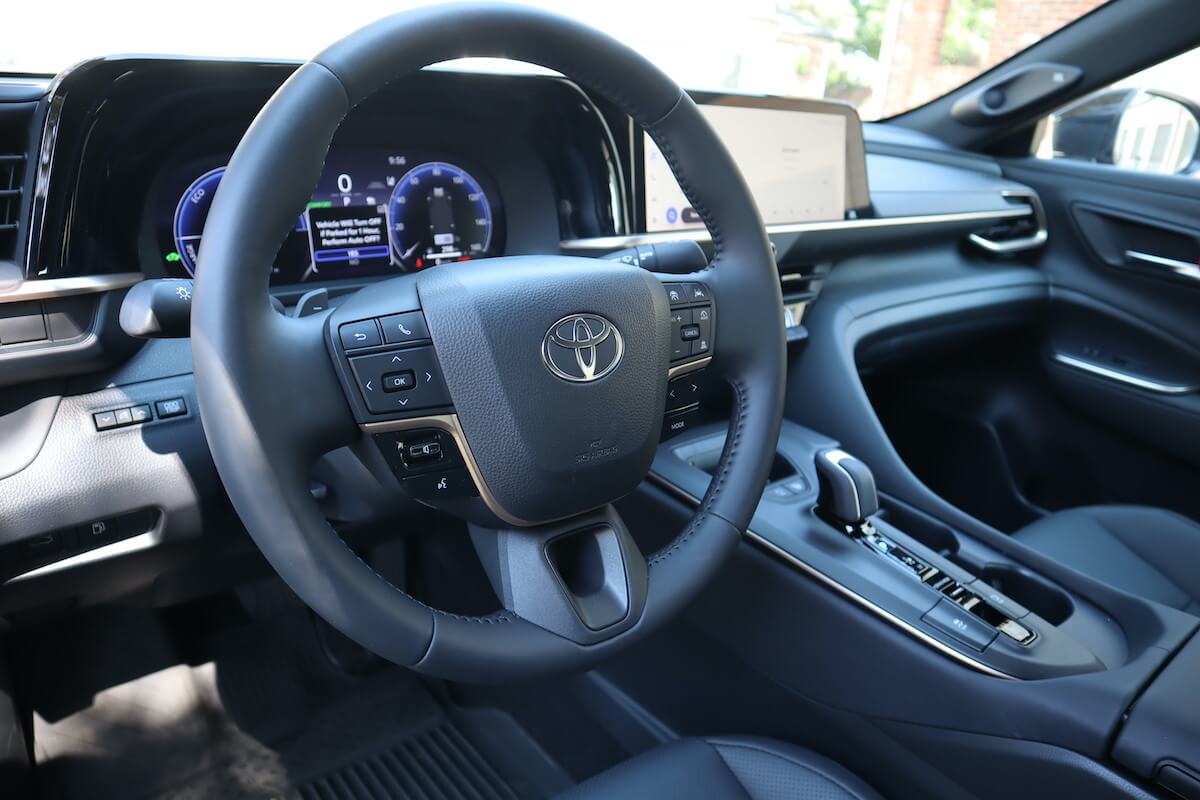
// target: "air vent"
[[12, 175], [14, 141], [1015, 234]]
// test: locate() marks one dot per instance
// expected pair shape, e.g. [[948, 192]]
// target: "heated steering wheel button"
[[360, 334], [403, 328], [399, 381]]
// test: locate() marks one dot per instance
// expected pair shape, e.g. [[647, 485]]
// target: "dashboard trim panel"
[[68, 286], [702, 235]]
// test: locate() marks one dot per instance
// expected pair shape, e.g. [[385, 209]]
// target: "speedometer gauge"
[[438, 213]]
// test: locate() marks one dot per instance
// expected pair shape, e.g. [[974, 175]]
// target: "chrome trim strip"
[[134, 544], [1018, 245], [702, 235], [856, 598], [1184, 269], [1126, 378], [691, 366], [65, 287], [450, 424]]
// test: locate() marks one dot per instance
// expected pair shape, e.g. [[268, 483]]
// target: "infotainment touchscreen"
[[794, 162]]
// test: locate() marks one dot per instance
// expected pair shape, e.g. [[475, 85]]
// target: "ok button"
[[399, 381]]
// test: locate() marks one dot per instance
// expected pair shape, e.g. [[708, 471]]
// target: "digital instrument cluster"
[[373, 213]]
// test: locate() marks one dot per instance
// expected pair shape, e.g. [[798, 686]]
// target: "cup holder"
[[1035, 593]]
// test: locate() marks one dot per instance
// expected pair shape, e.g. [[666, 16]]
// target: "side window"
[[1148, 122]]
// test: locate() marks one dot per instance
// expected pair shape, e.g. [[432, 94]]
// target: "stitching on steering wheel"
[[500, 615]]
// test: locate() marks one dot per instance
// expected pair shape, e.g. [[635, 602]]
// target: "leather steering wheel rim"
[[252, 364]]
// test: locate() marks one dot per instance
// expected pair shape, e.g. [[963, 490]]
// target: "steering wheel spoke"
[[583, 579]]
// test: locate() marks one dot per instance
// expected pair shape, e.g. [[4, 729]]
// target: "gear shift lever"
[[848, 493]]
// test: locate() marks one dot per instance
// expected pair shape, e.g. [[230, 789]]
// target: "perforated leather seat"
[[735, 767], [1145, 551]]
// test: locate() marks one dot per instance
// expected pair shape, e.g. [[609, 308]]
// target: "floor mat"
[[258, 721]]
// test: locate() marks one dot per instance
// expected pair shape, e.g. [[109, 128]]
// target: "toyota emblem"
[[582, 348]]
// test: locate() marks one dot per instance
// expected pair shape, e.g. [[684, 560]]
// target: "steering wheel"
[[533, 387]]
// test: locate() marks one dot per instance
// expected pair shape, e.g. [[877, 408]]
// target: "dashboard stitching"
[[717, 484]]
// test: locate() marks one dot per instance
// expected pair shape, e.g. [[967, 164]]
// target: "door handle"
[[1183, 269]]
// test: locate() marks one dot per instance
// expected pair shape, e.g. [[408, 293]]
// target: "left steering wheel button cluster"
[[400, 380]]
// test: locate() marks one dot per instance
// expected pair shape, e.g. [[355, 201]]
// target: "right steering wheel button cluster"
[[691, 320]]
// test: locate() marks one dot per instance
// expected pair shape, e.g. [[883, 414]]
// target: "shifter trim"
[[858, 599]]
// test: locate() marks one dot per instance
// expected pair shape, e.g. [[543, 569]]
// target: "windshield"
[[883, 56]]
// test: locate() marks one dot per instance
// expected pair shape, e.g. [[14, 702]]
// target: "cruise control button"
[[677, 293], [952, 619], [679, 318], [360, 334], [404, 328]]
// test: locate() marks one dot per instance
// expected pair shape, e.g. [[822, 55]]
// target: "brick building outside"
[[915, 68]]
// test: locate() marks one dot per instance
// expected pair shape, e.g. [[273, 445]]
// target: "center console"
[[875, 607], [820, 512]]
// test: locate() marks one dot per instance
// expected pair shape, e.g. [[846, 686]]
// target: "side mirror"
[[1147, 131]]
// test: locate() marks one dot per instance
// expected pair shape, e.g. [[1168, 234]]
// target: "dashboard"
[[439, 167]]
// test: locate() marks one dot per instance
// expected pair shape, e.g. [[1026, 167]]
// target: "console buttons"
[[141, 413], [175, 407], [1016, 631], [679, 347], [998, 601], [950, 618], [360, 334], [105, 420], [399, 381], [404, 328], [799, 485], [445, 483], [373, 372], [124, 417], [780, 493]]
